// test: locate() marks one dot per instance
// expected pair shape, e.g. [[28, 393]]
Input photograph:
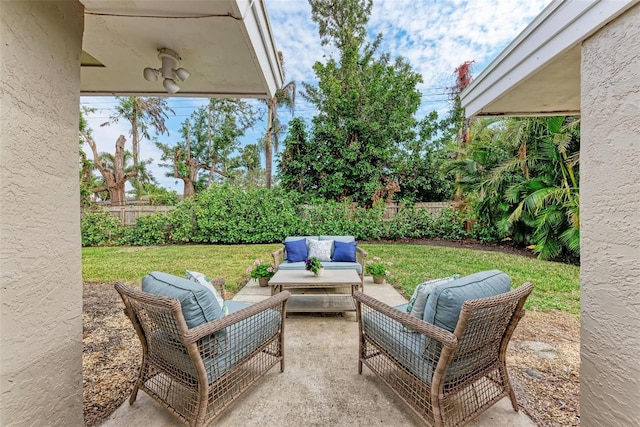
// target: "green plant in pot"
[[261, 271], [378, 268], [314, 265]]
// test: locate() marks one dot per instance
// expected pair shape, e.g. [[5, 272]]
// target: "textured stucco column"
[[610, 225], [40, 254]]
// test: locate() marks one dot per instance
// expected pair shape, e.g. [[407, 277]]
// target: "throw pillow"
[[344, 251], [444, 303], [194, 276], [320, 249], [296, 250], [197, 303], [418, 301]]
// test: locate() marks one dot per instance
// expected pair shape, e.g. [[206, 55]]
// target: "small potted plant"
[[378, 269], [313, 265], [262, 271]]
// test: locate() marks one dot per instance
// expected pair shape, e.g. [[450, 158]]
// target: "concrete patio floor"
[[320, 385]]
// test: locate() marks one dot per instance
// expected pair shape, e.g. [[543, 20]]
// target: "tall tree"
[[366, 104], [144, 115], [285, 96], [297, 160], [87, 178], [210, 137]]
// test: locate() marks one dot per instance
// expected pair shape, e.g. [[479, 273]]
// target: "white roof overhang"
[[539, 72], [226, 45]]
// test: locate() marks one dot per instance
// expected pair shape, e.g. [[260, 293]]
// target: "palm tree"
[[283, 96], [143, 114], [550, 193], [521, 176]]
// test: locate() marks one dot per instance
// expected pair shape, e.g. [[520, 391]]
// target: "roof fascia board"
[[257, 30], [559, 27]]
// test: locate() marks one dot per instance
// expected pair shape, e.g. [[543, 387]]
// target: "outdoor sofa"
[[334, 253], [448, 366], [195, 359]]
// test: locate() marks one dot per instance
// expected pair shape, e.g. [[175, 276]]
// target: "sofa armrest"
[[361, 254], [278, 257]]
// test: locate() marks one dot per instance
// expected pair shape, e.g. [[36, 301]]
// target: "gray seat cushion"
[[445, 301], [234, 306], [404, 347], [198, 303], [223, 350], [240, 343]]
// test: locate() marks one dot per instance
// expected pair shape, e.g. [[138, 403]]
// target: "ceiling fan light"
[[150, 74], [170, 86], [182, 74]]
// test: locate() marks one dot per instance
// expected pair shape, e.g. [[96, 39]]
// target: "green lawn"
[[556, 284]]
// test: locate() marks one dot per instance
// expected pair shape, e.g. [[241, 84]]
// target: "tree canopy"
[[210, 139], [366, 103]]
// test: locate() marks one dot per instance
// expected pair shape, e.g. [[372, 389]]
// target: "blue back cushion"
[[296, 250], [337, 239], [445, 301], [198, 303], [344, 251]]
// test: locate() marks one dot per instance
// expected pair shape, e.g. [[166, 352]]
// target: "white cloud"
[[435, 36]]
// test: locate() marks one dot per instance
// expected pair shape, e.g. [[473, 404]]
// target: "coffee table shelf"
[[317, 303], [320, 303]]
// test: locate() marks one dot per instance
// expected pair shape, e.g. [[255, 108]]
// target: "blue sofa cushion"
[[296, 250], [344, 251], [337, 239], [445, 302], [198, 303], [327, 265]]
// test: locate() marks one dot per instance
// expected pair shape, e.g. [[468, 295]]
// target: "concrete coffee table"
[[315, 303]]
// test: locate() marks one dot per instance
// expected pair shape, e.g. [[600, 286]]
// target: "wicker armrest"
[[218, 283], [361, 254], [278, 257], [420, 326], [277, 302]]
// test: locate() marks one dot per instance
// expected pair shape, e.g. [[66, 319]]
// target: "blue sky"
[[435, 36]]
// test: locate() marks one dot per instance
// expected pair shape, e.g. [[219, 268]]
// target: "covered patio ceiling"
[[226, 45], [538, 74]]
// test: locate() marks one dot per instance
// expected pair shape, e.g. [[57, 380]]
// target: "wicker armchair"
[[197, 373], [447, 379]]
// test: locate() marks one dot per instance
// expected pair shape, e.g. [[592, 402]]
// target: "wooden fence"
[[128, 214], [433, 207]]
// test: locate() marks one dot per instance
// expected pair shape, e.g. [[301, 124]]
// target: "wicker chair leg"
[[281, 356], [134, 393], [136, 386], [507, 384]]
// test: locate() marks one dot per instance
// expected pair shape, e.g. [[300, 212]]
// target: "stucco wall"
[[40, 255], [610, 225]]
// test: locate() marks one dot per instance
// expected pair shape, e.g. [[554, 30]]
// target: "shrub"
[[100, 228], [232, 215], [449, 225], [148, 230]]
